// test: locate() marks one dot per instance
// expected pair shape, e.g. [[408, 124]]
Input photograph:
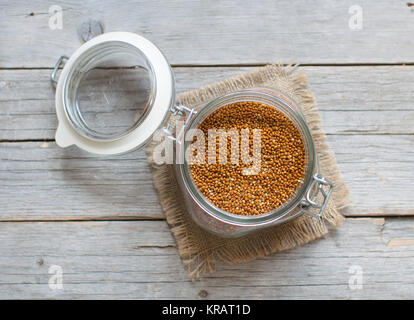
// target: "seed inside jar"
[[228, 184]]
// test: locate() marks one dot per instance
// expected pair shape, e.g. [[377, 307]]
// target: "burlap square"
[[199, 249]]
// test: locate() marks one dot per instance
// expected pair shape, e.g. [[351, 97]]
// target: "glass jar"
[[121, 55], [305, 196], [100, 53]]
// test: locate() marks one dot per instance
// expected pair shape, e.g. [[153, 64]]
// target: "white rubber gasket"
[[66, 135]]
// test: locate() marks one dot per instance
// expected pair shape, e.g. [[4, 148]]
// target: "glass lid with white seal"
[[113, 93]]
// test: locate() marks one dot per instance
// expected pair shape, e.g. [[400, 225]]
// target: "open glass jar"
[[125, 52]]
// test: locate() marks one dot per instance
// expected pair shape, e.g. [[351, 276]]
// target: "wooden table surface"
[[98, 218]]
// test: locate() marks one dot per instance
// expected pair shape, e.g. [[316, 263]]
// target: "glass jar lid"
[[114, 92]]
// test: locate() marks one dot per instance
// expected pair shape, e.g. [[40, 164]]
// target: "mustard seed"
[[282, 159]]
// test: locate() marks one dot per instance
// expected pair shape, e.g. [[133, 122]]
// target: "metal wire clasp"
[[310, 200], [181, 111], [55, 70]]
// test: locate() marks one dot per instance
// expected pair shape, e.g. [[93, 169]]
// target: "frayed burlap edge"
[[200, 250]]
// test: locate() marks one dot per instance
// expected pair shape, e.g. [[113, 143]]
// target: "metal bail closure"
[[187, 114], [72, 127], [56, 68], [323, 188]]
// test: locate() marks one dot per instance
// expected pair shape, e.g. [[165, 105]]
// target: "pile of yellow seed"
[[282, 161]]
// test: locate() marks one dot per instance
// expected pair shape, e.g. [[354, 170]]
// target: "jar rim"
[[164, 97], [281, 102], [88, 60]]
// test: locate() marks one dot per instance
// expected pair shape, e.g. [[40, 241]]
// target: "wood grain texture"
[[352, 100], [367, 113], [42, 181], [138, 260], [216, 32]]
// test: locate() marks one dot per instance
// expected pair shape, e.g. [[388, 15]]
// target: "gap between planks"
[[91, 218], [159, 218], [354, 133], [259, 64]]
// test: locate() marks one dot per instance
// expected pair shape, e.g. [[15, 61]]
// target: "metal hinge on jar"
[[53, 75], [182, 111], [310, 201]]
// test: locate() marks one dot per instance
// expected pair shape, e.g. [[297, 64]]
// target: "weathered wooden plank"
[[352, 100], [55, 183], [230, 32], [378, 171], [138, 259], [41, 181], [46, 182]]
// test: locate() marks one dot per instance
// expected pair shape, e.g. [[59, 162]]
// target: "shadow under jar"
[[127, 56]]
